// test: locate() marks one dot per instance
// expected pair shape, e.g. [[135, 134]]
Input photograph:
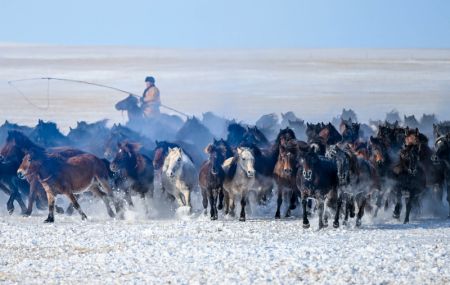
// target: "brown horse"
[[134, 167], [12, 154], [284, 173], [67, 176]]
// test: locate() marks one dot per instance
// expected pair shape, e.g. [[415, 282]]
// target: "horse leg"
[[213, 203], [347, 208], [51, 207], [31, 199], [243, 203], [398, 205], [321, 210], [362, 201], [227, 202], [205, 197], [338, 211], [279, 202], [293, 200], [289, 196], [221, 196], [232, 205], [305, 213], [448, 197], [105, 199], [76, 205], [104, 184], [408, 201]]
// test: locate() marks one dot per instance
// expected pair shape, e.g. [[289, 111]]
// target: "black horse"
[[441, 158], [410, 180], [318, 178]]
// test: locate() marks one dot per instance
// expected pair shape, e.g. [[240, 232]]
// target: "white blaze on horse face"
[[246, 161], [173, 161]]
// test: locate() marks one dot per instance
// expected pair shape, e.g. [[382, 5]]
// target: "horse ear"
[[208, 148], [239, 150], [417, 131]]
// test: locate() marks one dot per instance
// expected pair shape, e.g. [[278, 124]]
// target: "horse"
[[285, 173], [235, 134], [441, 158], [349, 131], [162, 149], [357, 178], [179, 176], [268, 125], [120, 133], [59, 175], [47, 134], [216, 124], [135, 169], [8, 126], [163, 126], [254, 136], [410, 180], [211, 177], [318, 178], [12, 154], [194, 132], [86, 136], [239, 179]]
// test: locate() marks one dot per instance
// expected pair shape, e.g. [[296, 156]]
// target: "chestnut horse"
[[68, 176], [12, 154]]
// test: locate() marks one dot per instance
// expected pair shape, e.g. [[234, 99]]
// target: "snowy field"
[[190, 249], [198, 251]]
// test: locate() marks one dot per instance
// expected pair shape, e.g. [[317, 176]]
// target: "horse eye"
[[179, 159]]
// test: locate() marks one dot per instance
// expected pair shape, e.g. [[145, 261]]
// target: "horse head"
[[246, 161]]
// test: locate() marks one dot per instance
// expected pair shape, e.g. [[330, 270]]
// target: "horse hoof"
[[11, 210], [406, 222], [49, 220], [242, 219], [277, 217], [306, 225], [220, 207], [213, 218], [26, 214], [358, 223], [344, 223], [396, 216], [83, 217], [335, 225], [352, 215]]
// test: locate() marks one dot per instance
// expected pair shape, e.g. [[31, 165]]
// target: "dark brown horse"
[[135, 169], [59, 175], [211, 177]]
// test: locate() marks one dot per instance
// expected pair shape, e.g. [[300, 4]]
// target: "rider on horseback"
[[150, 99]]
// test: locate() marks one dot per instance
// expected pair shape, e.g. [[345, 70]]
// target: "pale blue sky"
[[229, 23]]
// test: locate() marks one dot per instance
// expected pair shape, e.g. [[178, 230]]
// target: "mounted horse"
[[163, 126]]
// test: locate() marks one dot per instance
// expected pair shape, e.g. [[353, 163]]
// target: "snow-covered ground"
[[185, 249]]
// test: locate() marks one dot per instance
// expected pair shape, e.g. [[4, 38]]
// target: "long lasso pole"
[[11, 83]]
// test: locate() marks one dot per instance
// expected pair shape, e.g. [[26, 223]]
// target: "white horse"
[[179, 176], [239, 179]]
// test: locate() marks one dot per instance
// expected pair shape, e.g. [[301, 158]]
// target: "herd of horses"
[[337, 170]]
